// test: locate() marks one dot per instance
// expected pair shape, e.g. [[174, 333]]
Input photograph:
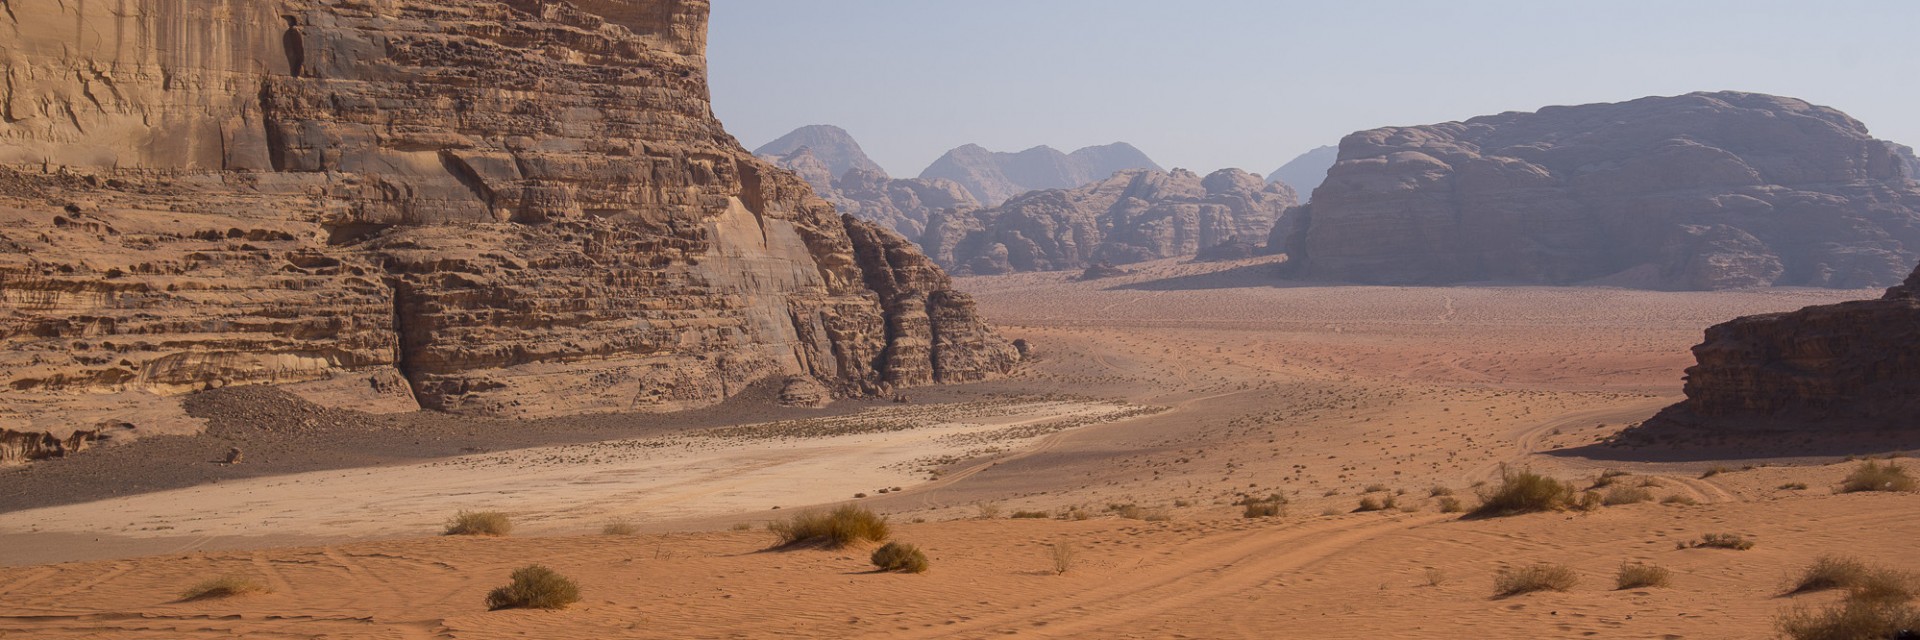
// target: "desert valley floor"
[[1153, 403]]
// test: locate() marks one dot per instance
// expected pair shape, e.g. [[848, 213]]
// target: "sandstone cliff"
[[1130, 217], [500, 207], [1702, 191], [994, 177], [1847, 367]]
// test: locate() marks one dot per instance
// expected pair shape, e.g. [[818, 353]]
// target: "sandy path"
[[752, 468]]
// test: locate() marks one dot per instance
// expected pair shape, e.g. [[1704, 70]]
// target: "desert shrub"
[[479, 523], [988, 510], [1540, 577], [1714, 472], [1439, 492], [1376, 488], [1030, 515], [1680, 500], [1370, 503], [1063, 556], [1272, 506], [619, 528], [1830, 572], [1641, 576], [1608, 478], [1794, 486], [534, 587], [1886, 585], [223, 587], [834, 529], [899, 557], [1873, 476], [1619, 495], [1732, 541], [1850, 620], [1435, 577], [1588, 501], [1451, 504], [1524, 492], [742, 526]]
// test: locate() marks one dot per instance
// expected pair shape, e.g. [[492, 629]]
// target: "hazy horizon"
[[1248, 84]]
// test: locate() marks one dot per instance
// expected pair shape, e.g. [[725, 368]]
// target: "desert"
[[464, 319]]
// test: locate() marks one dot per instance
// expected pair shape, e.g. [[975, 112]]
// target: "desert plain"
[[1151, 405]]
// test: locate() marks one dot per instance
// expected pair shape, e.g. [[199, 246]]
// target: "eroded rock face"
[[1702, 191], [1849, 366], [1131, 217], [511, 207], [831, 161], [994, 177]]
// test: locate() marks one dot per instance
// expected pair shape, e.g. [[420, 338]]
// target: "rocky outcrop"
[[832, 146], [1702, 191], [490, 207], [845, 177], [994, 177], [1133, 216], [1852, 366], [1306, 172]]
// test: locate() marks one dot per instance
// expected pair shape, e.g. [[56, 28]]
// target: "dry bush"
[[1794, 486], [1886, 585], [899, 557], [1436, 577], [1539, 577], [1439, 492], [1376, 488], [1851, 620], [1641, 576], [1873, 476], [1732, 541], [1370, 503], [1608, 478], [742, 526], [1830, 572], [1679, 499], [835, 529], [1031, 515], [1451, 504], [1063, 556], [620, 528], [479, 523], [1714, 472], [1588, 501], [1619, 495], [1524, 492], [1269, 507], [534, 587], [223, 587], [988, 510]]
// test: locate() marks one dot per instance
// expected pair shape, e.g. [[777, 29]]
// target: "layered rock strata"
[[498, 207], [1694, 192], [1852, 366]]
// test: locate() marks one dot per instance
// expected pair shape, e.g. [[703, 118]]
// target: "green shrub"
[[899, 557], [1540, 577], [836, 529], [534, 587], [223, 587], [1524, 492], [1641, 576], [1873, 476], [479, 523]]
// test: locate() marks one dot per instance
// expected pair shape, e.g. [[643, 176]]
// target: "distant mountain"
[[1306, 172], [831, 145], [869, 194], [993, 177], [1131, 216], [1908, 160]]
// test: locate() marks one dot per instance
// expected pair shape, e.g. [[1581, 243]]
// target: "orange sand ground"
[[1317, 392]]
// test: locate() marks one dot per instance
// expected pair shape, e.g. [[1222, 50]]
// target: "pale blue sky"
[[1206, 84]]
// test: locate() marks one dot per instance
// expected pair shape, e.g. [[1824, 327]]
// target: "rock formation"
[[1306, 172], [1853, 366], [1130, 217], [832, 146], [1701, 191], [994, 177], [498, 207], [856, 186]]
